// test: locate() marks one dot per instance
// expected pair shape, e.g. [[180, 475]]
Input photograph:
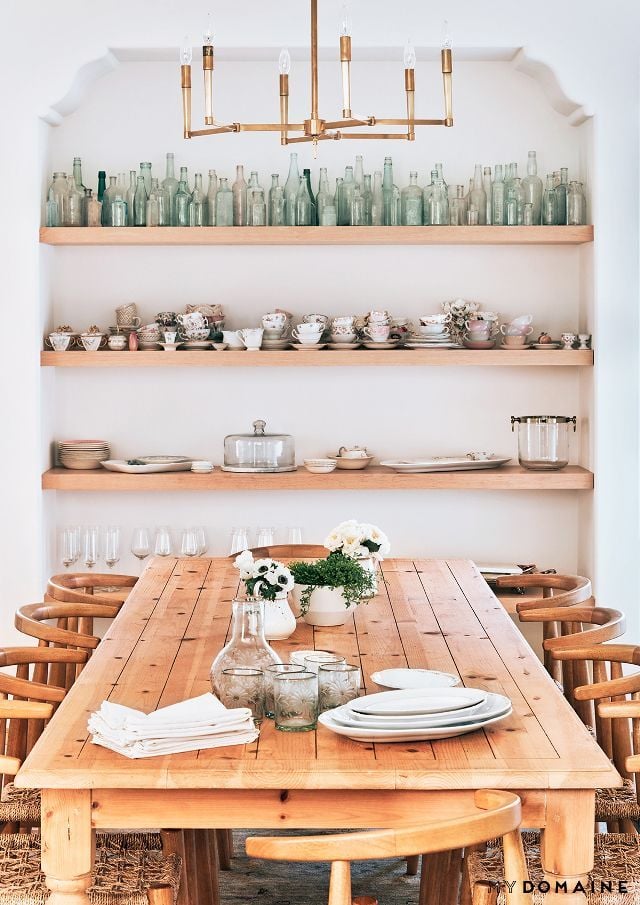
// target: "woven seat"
[[20, 805], [618, 804], [121, 874], [617, 857]]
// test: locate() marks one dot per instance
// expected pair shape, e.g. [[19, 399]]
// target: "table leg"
[[67, 845], [567, 843]]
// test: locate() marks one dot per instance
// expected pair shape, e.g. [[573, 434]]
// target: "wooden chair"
[[288, 551], [497, 814], [73, 587]]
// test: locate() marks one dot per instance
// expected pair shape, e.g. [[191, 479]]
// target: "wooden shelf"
[[314, 235], [535, 358], [372, 478]]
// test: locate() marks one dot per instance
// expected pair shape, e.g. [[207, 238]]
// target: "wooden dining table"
[[431, 613]]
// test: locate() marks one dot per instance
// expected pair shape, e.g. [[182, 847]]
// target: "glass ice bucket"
[[259, 451], [543, 441]]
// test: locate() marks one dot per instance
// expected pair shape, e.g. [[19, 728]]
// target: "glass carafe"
[[411, 202], [291, 191], [247, 646], [543, 441]]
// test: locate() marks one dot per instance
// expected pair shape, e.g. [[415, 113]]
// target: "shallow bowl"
[[320, 469], [352, 464]]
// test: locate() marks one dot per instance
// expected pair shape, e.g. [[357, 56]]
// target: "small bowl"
[[319, 466], [348, 464], [220, 347]]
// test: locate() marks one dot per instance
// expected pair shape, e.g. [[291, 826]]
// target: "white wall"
[[133, 114]]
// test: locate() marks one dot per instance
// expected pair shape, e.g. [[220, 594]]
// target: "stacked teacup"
[[193, 327], [343, 329], [149, 336], [377, 326], [515, 333], [308, 333], [434, 328], [481, 328], [276, 326]]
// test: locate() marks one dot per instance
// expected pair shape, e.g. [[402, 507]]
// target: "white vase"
[[279, 621], [369, 564], [327, 606]]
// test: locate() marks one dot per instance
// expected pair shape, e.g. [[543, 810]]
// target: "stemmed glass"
[[70, 545], [140, 543], [189, 544], [294, 535], [90, 546], [112, 545], [162, 541]]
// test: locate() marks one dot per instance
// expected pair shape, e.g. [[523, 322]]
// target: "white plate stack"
[[82, 455], [416, 714]]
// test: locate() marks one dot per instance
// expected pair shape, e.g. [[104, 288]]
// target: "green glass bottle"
[[102, 184], [314, 207], [562, 190]]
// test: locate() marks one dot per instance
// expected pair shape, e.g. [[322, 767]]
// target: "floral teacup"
[[195, 320], [379, 333], [118, 342], [275, 320], [314, 328], [353, 452], [316, 319], [93, 341], [59, 342]]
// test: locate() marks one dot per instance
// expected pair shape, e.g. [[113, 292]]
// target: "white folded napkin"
[[202, 722]]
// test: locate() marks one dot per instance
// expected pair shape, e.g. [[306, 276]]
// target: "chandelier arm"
[[408, 122], [383, 136], [326, 136], [314, 59], [347, 123]]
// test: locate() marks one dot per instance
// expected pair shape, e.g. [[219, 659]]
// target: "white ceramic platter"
[[417, 701], [416, 466], [404, 735], [414, 678], [494, 705], [122, 465]]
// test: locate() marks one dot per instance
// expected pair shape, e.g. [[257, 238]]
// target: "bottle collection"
[[499, 197]]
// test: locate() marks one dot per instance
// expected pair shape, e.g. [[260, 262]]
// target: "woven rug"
[[285, 883]]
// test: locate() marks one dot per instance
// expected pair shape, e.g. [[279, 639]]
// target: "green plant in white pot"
[[329, 589], [360, 541], [270, 581]]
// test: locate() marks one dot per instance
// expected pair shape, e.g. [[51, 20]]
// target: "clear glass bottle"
[[248, 645], [51, 217], [121, 185], [92, 209], [314, 207], [130, 197], [426, 199], [377, 204], [77, 174], [276, 202], [183, 199], [239, 189], [498, 197], [153, 208], [346, 197], [477, 196], [323, 192], [145, 172], [549, 209], [107, 201], [337, 198], [211, 198], [303, 204], [119, 210], [164, 211], [356, 217], [291, 187], [140, 203], [170, 185], [488, 190], [75, 203], [367, 195], [532, 187], [439, 171], [256, 204], [411, 202], [224, 203], [458, 208], [511, 174], [576, 205], [439, 204], [515, 203], [390, 196], [562, 191], [197, 203], [59, 195], [358, 173], [328, 212]]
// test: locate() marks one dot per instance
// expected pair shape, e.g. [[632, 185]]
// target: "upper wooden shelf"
[[535, 358], [316, 235], [510, 477]]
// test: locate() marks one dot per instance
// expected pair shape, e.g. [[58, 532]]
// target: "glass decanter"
[[549, 204], [170, 185], [197, 203], [411, 202], [291, 187], [276, 202], [498, 197], [183, 199], [224, 203], [212, 191], [248, 646], [239, 190], [532, 187], [140, 203]]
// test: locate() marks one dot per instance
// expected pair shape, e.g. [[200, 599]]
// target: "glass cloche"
[[259, 452]]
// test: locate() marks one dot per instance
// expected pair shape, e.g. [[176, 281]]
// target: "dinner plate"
[[494, 705], [444, 463], [414, 678], [405, 735], [417, 701], [123, 466]]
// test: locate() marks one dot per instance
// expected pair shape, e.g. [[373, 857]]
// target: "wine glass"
[[162, 541], [70, 546], [201, 536], [90, 546], [140, 543], [112, 545], [239, 540], [189, 544]]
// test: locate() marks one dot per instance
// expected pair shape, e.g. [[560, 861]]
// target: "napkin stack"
[[202, 722]]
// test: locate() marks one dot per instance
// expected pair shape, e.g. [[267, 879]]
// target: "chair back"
[[288, 551], [564, 590], [73, 587]]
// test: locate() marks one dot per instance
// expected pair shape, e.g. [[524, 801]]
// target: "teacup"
[[170, 336], [199, 334], [433, 329], [344, 320], [337, 329], [127, 315], [274, 320], [59, 342], [378, 317], [379, 333], [515, 340], [306, 339], [310, 328], [478, 325], [92, 341], [511, 330], [166, 318], [522, 321], [316, 319], [434, 319], [195, 319], [118, 342], [251, 337], [353, 452], [231, 338], [343, 337]]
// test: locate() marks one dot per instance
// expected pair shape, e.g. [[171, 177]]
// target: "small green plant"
[[336, 571], [216, 336]]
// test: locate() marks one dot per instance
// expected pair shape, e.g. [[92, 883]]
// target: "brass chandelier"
[[315, 128]]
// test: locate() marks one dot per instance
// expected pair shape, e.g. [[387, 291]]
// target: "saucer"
[[544, 345], [514, 348], [355, 345], [275, 343], [478, 343], [196, 344], [308, 348], [388, 344]]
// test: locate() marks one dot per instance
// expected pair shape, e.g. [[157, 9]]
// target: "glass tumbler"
[[295, 698], [162, 541], [270, 672], [338, 683], [241, 686], [313, 662], [239, 540]]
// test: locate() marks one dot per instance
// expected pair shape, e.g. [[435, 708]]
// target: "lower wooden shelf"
[[510, 477]]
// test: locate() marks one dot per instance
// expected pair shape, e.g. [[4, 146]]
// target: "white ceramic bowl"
[[319, 466], [352, 464]]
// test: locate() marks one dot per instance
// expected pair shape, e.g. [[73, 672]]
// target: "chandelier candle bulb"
[[345, 64], [207, 68], [186, 55], [284, 64], [410, 87]]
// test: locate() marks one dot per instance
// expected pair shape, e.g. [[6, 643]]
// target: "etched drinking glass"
[[295, 698], [270, 672], [242, 686], [312, 662], [338, 683]]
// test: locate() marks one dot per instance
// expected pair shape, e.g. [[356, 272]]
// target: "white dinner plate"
[[444, 463], [404, 735], [494, 705], [417, 701], [414, 678], [123, 466]]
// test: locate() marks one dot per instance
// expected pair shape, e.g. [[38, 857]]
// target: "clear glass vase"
[[247, 646]]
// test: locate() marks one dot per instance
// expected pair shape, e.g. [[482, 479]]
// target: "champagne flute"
[[162, 542], [90, 546], [140, 543], [189, 545], [70, 545], [112, 545]]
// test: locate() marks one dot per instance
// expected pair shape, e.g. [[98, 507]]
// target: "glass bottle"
[[438, 169], [276, 202], [164, 213], [118, 214], [77, 173], [291, 187], [304, 210], [197, 202], [121, 184], [107, 201], [477, 196], [140, 203], [170, 185], [439, 204], [130, 197], [562, 190], [488, 190], [458, 208], [328, 212], [239, 189], [211, 198], [183, 199], [256, 205], [497, 197], [411, 202], [51, 209], [549, 210], [92, 209], [224, 203], [527, 219], [145, 172], [356, 217], [337, 198], [248, 645], [348, 188], [152, 213], [532, 186], [323, 192], [390, 196], [102, 184], [358, 173], [367, 195], [75, 203], [314, 207], [515, 203], [59, 195], [377, 205], [426, 199], [511, 174], [576, 205]]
